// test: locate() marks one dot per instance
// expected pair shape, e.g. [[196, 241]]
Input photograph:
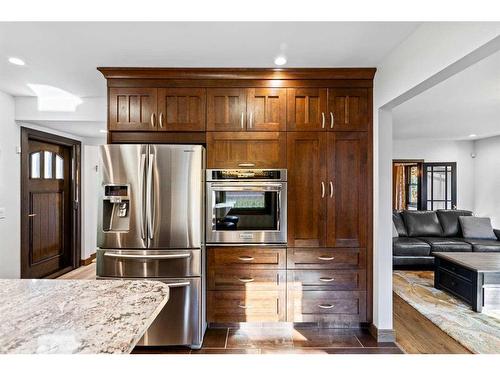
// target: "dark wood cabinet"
[[226, 109], [348, 109], [132, 109], [306, 109], [181, 109], [246, 150], [348, 189], [307, 178], [266, 109]]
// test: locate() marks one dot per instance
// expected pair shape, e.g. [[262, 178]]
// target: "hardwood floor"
[[81, 273]]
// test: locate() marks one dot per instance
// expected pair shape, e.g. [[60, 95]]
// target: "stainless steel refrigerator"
[[151, 211]]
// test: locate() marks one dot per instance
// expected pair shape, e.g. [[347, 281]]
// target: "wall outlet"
[[2, 213]]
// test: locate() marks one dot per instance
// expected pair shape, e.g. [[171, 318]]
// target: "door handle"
[[153, 119], [326, 306], [31, 215], [153, 256], [160, 119], [325, 257], [331, 189], [149, 197], [178, 285], [246, 279], [322, 120], [326, 279], [141, 192], [246, 258], [242, 119], [322, 189], [246, 165], [332, 120]]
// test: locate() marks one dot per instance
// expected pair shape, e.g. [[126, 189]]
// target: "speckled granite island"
[[77, 316]]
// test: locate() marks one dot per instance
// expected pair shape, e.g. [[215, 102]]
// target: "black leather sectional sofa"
[[421, 233]]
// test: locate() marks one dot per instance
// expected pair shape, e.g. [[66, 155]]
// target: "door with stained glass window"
[[439, 190]]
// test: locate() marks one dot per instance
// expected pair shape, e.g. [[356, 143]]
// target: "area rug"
[[478, 332]]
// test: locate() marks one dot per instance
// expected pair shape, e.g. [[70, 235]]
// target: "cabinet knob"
[[332, 120], [326, 306], [246, 279], [246, 258], [242, 306], [326, 279], [325, 257], [153, 119], [161, 119], [322, 120]]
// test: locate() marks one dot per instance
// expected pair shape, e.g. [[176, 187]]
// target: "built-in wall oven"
[[246, 206]]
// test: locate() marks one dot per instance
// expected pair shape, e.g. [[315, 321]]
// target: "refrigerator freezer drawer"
[[148, 263]]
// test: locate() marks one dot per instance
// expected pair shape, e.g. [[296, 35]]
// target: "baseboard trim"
[[86, 262], [382, 335]]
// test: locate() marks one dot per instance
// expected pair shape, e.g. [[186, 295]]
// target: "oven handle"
[[267, 187]]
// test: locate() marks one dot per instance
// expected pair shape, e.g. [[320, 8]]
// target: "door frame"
[[28, 134]]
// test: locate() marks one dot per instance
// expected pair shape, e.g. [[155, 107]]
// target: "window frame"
[[424, 190]]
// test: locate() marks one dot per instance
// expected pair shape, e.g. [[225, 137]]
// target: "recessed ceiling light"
[[280, 60], [103, 131], [16, 61], [472, 135]]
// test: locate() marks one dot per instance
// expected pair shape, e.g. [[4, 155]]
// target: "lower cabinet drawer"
[[326, 279], [455, 284], [245, 279], [253, 257], [235, 306], [341, 308], [453, 268], [325, 258]]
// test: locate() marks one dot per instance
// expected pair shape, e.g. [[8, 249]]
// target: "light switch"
[[2, 213]]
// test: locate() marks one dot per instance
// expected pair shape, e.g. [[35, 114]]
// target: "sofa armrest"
[[497, 233]]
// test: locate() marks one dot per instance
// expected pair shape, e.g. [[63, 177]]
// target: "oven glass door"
[[246, 208]]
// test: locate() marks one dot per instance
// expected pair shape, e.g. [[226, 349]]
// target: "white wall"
[[90, 193], [10, 190], [452, 151], [487, 179]]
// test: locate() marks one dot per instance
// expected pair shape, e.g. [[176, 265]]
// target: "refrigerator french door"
[[151, 226]]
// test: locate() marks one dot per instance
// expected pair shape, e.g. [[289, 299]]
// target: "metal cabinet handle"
[[178, 285], [246, 165], [153, 119], [326, 279], [250, 122], [331, 189], [322, 120], [161, 120], [241, 306], [322, 189], [246, 279], [326, 306], [31, 215], [325, 257], [246, 258], [138, 256], [332, 120], [242, 119]]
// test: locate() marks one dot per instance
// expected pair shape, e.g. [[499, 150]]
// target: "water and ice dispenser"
[[116, 208]]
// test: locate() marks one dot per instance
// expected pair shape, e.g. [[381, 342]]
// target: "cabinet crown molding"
[[238, 73]]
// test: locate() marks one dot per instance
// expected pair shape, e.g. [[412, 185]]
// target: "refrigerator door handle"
[[142, 168], [136, 256], [149, 197]]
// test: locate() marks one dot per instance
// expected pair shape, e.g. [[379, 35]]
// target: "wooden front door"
[[348, 189], [306, 157], [181, 109], [226, 109], [47, 212]]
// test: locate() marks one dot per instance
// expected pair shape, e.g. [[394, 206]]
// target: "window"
[[59, 168], [52, 163], [47, 165], [439, 189], [35, 165]]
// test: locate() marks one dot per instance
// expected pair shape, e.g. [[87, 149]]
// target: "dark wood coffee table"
[[473, 277]]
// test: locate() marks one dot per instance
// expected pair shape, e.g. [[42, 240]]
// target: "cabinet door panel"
[[349, 108], [181, 109], [132, 109], [306, 109], [226, 109], [266, 109], [306, 157], [348, 181], [246, 149]]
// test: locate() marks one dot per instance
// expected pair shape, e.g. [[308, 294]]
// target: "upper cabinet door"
[[181, 109], [348, 195], [348, 109], [306, 109], [307, 189], [226, 109], [132, 109], [266, 109]]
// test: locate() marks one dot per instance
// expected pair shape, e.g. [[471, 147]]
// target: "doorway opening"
[[50, 204]]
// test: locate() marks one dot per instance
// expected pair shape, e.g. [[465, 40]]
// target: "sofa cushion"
[[483, 246], [419, 262], [406, 246], [449, 221], [422, 224], [477, 227], [398, 222], [446, 244]]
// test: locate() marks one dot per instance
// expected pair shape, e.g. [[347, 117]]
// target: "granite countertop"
[[77, 316]]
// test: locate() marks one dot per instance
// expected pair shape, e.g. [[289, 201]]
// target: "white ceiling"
[[467, 103], [65, 55]]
